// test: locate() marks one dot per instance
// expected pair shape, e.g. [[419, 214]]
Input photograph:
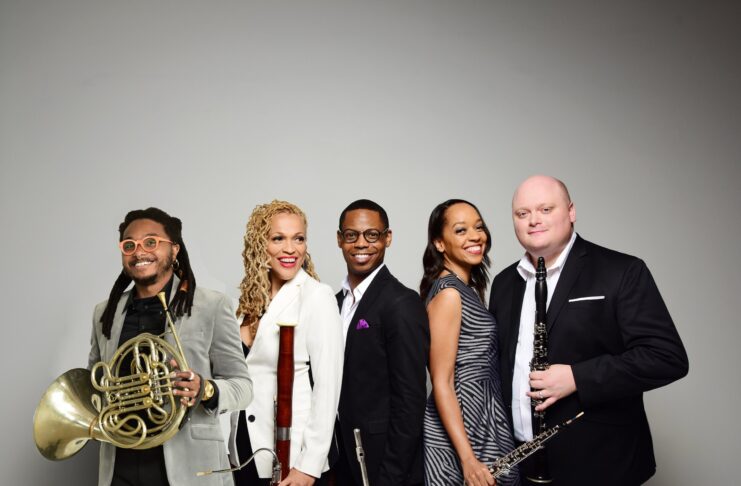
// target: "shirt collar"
[[167, 289], [362, 286], [526, 268]]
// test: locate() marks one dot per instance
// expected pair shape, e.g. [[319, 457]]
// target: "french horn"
[[127, 401]]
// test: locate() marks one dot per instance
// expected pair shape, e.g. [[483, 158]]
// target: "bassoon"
[[284, 401], [537, 471], [283, 407]]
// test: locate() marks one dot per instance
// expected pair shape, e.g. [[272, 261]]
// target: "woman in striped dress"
[[466, 426]]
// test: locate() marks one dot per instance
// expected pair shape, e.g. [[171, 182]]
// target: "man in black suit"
[[387, 341], [610, 338]]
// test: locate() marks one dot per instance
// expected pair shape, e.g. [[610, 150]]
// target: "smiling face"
[[363, 257], [286, 248], [543, 216], [463, 242], [150, 271]]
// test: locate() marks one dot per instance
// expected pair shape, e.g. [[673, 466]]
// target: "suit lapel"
[[118, 320], [340, 296], [366, 303], [572, 269], [285, 306], [513, 331], [177, 321]]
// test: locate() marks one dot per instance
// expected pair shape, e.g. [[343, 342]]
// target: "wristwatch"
[[208, 391]]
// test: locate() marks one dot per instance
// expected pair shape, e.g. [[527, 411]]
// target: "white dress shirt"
[[521, 407], [350, 302]]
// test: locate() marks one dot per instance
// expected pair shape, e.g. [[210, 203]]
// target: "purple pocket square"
[[362, 324]]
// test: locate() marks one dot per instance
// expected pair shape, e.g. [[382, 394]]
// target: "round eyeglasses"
[[370, 235], [148, 244]]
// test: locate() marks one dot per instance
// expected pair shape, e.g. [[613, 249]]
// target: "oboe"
[[538, 470], [504, 464]]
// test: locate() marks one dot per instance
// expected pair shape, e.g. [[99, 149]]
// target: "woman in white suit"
[[280, 286]]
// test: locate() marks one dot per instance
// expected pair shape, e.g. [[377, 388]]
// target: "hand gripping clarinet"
[[538, 471]]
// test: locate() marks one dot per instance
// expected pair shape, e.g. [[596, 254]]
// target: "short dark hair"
[[365, 204]]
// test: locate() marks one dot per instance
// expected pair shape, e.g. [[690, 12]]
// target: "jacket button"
[[251, 418]]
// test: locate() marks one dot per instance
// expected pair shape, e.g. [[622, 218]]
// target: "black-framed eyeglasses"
[[148, 244], [370, 235]]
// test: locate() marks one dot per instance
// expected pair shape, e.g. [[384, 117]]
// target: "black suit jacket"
[[618, 347], [384, 382]]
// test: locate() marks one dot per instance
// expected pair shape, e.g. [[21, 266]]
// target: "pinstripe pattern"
[[479, 392]]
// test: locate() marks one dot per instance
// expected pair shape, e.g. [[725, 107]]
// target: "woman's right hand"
[[475, 473]]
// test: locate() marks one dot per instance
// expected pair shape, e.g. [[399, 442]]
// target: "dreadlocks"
[[183, 300], [255, 286]]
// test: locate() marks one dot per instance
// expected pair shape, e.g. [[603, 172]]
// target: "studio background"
[[206, 109]]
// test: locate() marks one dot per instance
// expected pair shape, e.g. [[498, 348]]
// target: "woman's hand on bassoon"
[[297, 478]]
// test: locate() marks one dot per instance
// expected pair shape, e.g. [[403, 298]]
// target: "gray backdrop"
[[209, 108]]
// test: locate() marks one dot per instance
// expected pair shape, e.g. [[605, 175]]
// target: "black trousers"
[[139, 468], [247, 476]]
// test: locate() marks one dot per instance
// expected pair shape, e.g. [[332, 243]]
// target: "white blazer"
[[318, 345]]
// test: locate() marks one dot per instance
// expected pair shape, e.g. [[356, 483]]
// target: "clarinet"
[[538, 471]]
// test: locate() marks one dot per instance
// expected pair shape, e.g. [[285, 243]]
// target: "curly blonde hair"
[[255, 287]]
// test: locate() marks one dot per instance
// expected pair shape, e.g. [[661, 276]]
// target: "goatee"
[[145, 281]]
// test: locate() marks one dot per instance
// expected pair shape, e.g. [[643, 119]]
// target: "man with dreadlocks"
[[154, 257]]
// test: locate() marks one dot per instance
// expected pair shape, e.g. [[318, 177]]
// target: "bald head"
[[541, 182], [543, 216]]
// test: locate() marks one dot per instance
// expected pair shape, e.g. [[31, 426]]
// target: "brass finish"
[[208, 390], [131, 408], [66, 418]]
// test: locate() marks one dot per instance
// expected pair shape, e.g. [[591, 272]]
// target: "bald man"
[[610, 338]]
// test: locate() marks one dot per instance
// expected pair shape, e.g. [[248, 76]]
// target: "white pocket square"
[[593, 297]]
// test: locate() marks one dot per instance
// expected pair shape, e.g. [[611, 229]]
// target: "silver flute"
[[360, 454], [505, 464]]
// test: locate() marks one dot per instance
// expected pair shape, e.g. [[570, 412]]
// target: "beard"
[[163, 267]]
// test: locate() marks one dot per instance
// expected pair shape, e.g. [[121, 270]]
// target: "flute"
[[360, 454]]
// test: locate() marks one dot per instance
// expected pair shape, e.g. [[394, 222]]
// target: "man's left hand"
[[551, 385], [186, 385]]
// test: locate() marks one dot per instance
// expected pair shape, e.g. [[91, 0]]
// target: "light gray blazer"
[[212, 347]]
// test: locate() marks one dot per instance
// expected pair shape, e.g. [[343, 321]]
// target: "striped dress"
[[479, 391]]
